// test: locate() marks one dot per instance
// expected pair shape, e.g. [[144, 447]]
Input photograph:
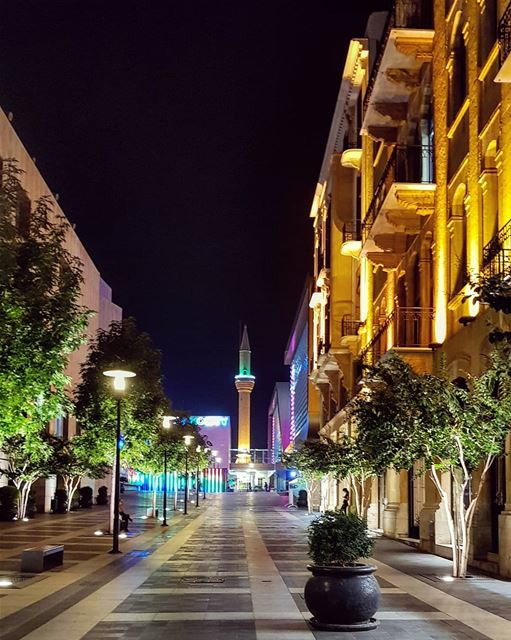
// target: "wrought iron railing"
[[351, 231], [256, 456], [350, 327], [496, 246], [411, 327], [505, 34], [407, 163], [405, 14]]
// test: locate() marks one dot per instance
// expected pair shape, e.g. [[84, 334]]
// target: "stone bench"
[[38, 559]]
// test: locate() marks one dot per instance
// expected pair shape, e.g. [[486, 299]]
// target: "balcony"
[[497, 253], [504, 74], [405, 191], [406, 45], [406, 329], [350, 327], [351, 239], [256, 457]]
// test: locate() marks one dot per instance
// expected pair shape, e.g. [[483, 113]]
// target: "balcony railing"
[[257, 456], [410, 164], [505, 34], [351, 231], [496, 255], [350, 327], [405, 14], [411, 327]]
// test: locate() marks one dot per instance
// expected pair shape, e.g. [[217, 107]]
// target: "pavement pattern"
[[235, 569]]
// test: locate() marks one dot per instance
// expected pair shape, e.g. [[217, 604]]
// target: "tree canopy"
[[122, 346], [41, 318]]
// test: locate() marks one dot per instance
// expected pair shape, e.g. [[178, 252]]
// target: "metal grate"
[[202, 580]]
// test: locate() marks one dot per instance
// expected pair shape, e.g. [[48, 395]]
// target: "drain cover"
[[202, 580], [15, 580]]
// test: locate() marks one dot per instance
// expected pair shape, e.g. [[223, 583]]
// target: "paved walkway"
[[235, 569]]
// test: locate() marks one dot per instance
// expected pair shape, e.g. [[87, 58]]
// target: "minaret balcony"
[[404, 193], [504, 74], [407, 44]]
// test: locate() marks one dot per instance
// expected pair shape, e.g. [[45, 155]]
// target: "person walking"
[[345, 501]]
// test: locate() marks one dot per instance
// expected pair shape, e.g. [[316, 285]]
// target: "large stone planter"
[[342, 598]]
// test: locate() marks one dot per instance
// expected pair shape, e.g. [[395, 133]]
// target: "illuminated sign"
[[211, 421]]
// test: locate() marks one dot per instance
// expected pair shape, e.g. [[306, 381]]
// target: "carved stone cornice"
[[420, 46], [421, 201]]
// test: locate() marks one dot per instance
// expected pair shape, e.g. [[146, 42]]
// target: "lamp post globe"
[[119, 383]]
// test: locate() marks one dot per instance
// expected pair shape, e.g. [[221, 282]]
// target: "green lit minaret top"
[[245, 355]]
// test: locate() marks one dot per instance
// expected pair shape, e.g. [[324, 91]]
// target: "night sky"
[[185, 140]]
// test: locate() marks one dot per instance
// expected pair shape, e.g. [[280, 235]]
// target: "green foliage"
[[336, 539], [143, 404], [77, 457], [26, 458], [8, 502], [311, 458], [41, 319], [403, 416], [494, 289]]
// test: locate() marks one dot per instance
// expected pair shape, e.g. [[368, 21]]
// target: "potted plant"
[[102, 497], [342, 594], [86, 496], [60, 501], [8, 502]]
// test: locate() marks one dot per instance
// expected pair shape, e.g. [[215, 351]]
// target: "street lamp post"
[[167, 423], [119, 377], [197, 482], [188, 441], [207, 452]]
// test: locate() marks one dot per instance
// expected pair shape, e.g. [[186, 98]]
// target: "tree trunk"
[[444, 501]]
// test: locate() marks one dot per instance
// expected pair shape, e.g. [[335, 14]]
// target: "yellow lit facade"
[[414, 198]]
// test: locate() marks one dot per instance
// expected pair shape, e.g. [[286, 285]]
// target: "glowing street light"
[[167, 424], [119, 376], [188, 441]]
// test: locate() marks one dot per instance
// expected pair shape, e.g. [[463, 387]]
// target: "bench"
[[38, 559]]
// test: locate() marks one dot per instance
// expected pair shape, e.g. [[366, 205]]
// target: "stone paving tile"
[[188, 630], [185, 602]]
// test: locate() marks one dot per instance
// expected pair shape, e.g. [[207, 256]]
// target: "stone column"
[[393, 502], [505, 520]]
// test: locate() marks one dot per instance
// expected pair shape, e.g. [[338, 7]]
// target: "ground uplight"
[[98, 533]]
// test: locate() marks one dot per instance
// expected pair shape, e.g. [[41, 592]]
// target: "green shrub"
[[8, 502], [86, 495], [338, 539], [102, 497]]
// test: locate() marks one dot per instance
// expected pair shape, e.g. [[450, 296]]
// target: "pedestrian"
[[125, 517], [266, 488], [345, 501]]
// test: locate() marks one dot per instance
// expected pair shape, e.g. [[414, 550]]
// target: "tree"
[[311, 459], [26, 459], [41, 318], [144, 403], [122, 346], [403, 417], [75, 458], [348, 461]]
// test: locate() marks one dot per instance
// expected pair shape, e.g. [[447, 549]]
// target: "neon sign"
[[211, 421]]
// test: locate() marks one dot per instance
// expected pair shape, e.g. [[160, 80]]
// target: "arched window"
[[458, 240], [459, 78]]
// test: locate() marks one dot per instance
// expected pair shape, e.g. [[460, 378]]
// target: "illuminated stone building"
[[96, 295], [413, 198]]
